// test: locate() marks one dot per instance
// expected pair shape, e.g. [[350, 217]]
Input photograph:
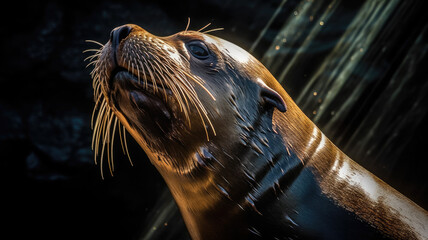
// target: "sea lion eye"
[[198, 49]]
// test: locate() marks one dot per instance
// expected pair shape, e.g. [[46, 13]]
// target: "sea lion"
[[240, 158]]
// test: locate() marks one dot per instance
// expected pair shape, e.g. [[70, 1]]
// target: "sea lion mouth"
[[143, 83], [131, 93]]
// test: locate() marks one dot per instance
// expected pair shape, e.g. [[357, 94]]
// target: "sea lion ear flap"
[[272, 98]]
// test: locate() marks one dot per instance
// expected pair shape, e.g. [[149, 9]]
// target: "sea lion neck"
[[301, 136], [232, 176]]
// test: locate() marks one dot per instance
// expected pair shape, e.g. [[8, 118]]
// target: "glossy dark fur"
[[264, 171]]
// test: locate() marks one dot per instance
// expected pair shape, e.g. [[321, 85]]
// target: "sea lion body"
[[240, 158]]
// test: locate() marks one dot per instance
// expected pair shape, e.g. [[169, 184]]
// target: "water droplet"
[[249, 176], [295, 13], [315, 93], [250, 200], [256, 148], [223, 190], [321, 23], [291, 221], [199, 159], [240, 207], [254, 231], [277, 47], [314, 112]]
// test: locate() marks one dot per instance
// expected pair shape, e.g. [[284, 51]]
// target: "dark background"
[[50, 186]]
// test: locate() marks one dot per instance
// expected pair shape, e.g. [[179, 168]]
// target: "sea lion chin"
[[240, 158]]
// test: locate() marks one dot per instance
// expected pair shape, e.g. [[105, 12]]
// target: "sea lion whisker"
[[97, 79], [197, 102], [94, 110], [106, 139], [91, 63], [179, 95], [150, 74], [138, 73], [120, 137], [97, 127], [204, 27], [183, 95], [97, 50], [164, 82], [108, 150], [132, 70], [145, 66], [155, 87], [129, 68], [201, 84], [100, 129], [97, 89], [97, 144], [92, 57], [93, 41], [205, 114], [138, 61], [203, 121], [176, 91], [188, 24], [193, 97], [163, 69], [213, 30], [187, 91], [144, 72], [112, 141], [95, 82], [161, 76], [95, 73], [108, 135], [126, 145]]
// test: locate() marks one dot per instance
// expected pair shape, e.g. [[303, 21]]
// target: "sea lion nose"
[[118, 34]]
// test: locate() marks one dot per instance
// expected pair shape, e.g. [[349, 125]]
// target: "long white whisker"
[[188, 24], [204, 27], [93, 41], [91, 50], [126, 145], [213, 30]]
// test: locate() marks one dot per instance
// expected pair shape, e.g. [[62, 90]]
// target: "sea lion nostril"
[[118, 34]]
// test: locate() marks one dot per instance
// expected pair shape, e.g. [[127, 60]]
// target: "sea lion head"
[[178, 94]]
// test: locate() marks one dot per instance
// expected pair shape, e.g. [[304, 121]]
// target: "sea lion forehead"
[[232, 50], [242, 60]]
